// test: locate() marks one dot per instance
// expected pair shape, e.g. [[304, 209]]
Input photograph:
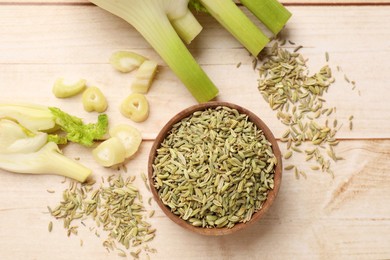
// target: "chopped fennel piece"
[[110, 152], [64, 90], [94, 100], [130, 137], [135, 107], [144, 77], [126, 61]]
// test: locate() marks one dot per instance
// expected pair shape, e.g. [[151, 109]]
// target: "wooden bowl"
[[271, 195]]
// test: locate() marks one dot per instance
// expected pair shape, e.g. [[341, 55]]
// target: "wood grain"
[[319, 217], [50, 50], [345, 217]]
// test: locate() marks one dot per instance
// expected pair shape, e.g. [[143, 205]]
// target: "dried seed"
[[122, 253], [296, 173], [50, 227], [295, 149], [143, 176], [346, 78], [288, 155], [213, 173], [108, 206], [298, 48], [289, 167], [285, 82]]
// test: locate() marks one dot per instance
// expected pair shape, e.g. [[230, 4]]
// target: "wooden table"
[[320, 217]]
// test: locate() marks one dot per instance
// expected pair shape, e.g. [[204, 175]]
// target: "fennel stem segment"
[[270, 12], [151, 21], [230, 16], [47, 160]]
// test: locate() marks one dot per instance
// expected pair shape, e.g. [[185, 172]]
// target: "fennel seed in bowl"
[[214, 168]]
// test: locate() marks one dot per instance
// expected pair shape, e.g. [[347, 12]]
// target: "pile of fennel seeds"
[[116, 209], [298, 98], [215, 168]]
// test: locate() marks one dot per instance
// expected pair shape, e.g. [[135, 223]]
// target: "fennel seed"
[[315, 168], [297, 96], [291, 42], [115, 206], [203, 177], [289, 167], [288, 155], [346, 78], [50, 226], [298, 48]]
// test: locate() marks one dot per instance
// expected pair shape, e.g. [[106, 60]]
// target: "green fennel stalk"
[[47, 160], [230, 16], [151, 19], [270, 12]]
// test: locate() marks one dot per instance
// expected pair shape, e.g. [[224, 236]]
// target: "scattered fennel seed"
[[296, 173], [298, 48], [143, 176], [50, 226], [115, 206], [298, 98], [346, 78], [288, 155], [291, 42], [327, 56], [122, 253], [254, 63]]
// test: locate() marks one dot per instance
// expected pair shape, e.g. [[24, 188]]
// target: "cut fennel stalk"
[[150, 19], [230, 16], [47, 160], [270, 12]]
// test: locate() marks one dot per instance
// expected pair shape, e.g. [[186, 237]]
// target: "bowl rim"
[[271, 194]]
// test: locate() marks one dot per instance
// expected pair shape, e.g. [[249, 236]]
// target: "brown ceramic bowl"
[[271, 195]]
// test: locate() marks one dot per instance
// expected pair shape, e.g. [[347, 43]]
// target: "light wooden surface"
[[345, 217]]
